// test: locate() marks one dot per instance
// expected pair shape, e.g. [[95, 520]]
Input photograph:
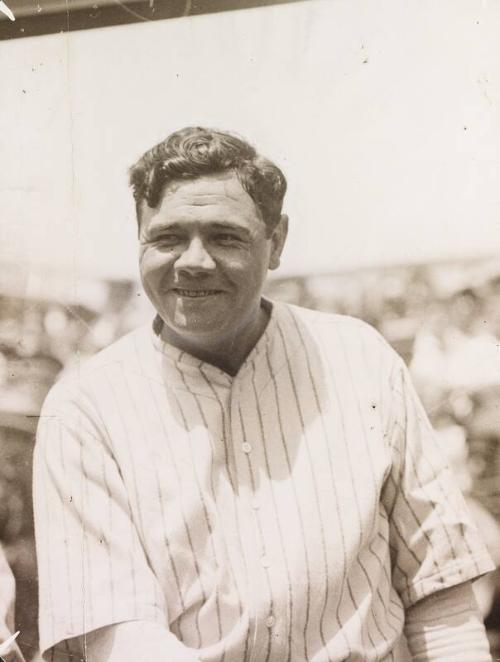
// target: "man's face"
[[204, 254]]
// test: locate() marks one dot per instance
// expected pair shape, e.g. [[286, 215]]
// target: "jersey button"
[[246, 447], [255, 504], [270, 621], [265, 561]]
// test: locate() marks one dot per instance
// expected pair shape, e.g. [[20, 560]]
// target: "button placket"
[[270, 621], [253, 550]]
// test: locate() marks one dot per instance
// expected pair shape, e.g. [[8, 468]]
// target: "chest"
[[303, 451]]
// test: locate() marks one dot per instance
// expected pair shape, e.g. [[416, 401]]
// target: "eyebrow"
[[218, 226], [230, 226]]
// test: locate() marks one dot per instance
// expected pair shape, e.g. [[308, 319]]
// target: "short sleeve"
[[92, 568], [434, 544]]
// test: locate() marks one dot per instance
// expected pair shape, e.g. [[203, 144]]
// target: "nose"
[[195, 258]]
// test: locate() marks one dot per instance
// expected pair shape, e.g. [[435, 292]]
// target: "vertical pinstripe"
[[185, 525], [126, 434], [271, 516], [104, 536], [140, 422], [294, 489], [110, 501], [225, 431], [261, 537], [171, 558], [207, 519], [65, 534], [371, 465], [355, 498], [331, 472], [87, 596], [265, 443], [213, 491], [47, 572], [154, 469]]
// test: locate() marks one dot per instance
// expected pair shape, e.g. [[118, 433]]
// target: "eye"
[[168, 239], [227, 239]]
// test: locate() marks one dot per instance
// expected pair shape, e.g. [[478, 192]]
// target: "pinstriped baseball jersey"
[[291, 512]]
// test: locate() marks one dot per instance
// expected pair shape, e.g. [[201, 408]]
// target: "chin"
[[191, 328]]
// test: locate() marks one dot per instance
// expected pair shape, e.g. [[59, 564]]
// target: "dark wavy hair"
[[193, 152]]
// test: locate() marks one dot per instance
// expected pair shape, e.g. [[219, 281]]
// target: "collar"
[[182, 366]]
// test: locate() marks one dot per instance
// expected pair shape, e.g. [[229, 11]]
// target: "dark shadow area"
[[59, 16]]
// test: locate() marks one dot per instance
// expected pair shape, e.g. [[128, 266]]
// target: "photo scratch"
[[7, 11], [4, 648]]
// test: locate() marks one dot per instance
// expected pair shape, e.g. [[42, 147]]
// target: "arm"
[[93, 572], [433, 541], [133, 641], [447, 627]]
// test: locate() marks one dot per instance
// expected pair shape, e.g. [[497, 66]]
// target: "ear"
[[278, 238]]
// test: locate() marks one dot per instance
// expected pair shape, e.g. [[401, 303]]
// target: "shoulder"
[[333, 330], [123, 351], [353, 353], [83, 381], [317, 318]]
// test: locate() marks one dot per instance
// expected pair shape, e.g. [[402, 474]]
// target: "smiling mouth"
[[195, 294]]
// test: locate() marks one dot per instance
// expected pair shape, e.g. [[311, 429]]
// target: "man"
[[245, 480]]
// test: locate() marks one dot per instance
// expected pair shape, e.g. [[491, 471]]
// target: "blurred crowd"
[[443, 319]]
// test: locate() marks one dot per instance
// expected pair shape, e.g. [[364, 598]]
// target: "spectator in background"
[[24, 383], [453, 440], [7, 600], [456, 348]]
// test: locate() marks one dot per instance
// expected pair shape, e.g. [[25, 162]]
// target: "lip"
[[194, 293]]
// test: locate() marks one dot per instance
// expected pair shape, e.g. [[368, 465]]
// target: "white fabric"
[[134, 641], [291, 512], [447, 627]]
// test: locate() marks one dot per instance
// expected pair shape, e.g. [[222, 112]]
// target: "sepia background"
[[384, 117]]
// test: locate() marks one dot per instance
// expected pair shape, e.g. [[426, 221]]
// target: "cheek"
[[250, 273], [254, 260], [153, 264]]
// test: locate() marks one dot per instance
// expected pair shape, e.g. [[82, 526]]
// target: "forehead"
[[217, 198]]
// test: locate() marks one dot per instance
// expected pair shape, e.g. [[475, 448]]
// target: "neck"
[[228, 353]]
